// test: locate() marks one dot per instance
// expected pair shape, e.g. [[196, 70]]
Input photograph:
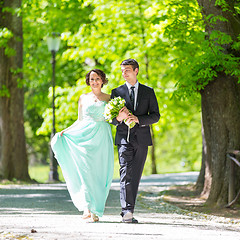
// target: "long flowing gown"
[[85, 155]]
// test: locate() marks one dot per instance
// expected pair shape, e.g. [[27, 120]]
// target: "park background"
[[188, 53], [101, 36]]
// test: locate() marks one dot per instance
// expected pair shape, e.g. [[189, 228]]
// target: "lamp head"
[[53, 42]]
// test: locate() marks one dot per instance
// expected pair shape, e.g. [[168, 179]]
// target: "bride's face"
[[95, 80]]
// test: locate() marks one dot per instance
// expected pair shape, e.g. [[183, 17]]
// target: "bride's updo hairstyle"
[[100, 73]]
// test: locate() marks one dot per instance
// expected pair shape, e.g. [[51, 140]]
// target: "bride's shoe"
[[94, 217], [86, 214]]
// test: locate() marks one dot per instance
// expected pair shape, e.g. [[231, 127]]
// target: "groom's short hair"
[[131, 62]]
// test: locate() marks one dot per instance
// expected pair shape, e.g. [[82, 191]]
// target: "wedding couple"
[[85, 150]]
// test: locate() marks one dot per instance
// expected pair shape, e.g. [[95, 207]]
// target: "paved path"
[[47, 209]]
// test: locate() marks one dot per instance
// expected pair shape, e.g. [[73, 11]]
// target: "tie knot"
[[132, 88]]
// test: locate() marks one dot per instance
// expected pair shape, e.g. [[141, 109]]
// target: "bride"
[[84, 151]]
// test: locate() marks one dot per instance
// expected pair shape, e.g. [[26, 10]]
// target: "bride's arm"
[[79, 109], [79, 117]]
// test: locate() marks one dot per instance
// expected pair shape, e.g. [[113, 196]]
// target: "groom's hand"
[[132, 118], [123, 114]]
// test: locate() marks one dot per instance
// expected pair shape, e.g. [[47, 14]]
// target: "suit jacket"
[[147, 112]]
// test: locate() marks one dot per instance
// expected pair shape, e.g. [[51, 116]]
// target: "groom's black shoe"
[[133, 220], [128, 218]]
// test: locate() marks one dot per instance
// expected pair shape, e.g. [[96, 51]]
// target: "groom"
[[133, 145]]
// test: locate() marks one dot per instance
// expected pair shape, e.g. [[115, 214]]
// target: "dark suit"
[[132, 154]]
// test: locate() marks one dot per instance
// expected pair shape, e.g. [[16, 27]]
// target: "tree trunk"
[[146, 59], [201, 176], [14, 162], [0, 144], [220, 114], [153, 155]]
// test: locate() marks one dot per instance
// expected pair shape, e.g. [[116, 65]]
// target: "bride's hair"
[[100, 73]]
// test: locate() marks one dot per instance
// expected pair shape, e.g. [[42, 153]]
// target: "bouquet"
[[112, 109]]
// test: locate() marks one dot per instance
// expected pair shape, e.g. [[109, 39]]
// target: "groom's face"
[[128, 73]]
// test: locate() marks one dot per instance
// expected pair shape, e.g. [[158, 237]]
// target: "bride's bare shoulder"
[[107, 97], [84, 96]]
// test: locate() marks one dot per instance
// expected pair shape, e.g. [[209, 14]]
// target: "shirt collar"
[[129, 85]]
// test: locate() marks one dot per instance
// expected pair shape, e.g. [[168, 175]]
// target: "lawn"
[[40, 173]]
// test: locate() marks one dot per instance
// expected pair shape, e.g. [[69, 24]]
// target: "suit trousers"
[[132, 157]]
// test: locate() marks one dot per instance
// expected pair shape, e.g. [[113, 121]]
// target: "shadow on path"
[[47, 208], [55, 199]]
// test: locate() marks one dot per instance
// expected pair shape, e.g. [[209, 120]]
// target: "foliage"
[[216, 52], [42, 18], [167, 39], [66, 108], [5, 36]]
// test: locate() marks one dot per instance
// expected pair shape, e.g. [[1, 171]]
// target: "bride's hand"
[[61, 133]]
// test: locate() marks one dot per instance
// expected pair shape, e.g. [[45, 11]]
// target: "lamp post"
[[53, 43]]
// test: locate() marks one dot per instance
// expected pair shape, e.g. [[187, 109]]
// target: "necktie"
[[132, 96]]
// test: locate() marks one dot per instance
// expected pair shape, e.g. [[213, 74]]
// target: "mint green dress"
[[85, 155]]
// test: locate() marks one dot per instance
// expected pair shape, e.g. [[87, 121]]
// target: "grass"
[[40, 173]]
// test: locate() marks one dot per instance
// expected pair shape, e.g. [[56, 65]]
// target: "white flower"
[[113, 107]]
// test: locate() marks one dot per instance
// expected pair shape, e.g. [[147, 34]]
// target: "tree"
[[203, 43], [41, 18], [221, 96], [207, 62], [14, 163], [122, 29]]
